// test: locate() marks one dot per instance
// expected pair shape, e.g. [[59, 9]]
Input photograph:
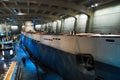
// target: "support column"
[[49, 28], [75, 25], [57, 29], [89, 23], [62, 21]]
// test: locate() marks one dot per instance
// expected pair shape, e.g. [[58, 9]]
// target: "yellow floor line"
[[10, 71]]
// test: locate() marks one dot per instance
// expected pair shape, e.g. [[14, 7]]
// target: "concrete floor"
[[29, 70], [3, 68]]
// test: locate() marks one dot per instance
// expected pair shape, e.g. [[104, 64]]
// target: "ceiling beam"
[[51, 9], [79, 7], [32, 15], [28, 9], [5, 6], [16, 3]]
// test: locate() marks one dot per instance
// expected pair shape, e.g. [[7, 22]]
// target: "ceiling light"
[[20, 13], [96, 4], [92, 6]]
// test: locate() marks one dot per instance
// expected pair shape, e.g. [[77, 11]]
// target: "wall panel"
[[107, 20]]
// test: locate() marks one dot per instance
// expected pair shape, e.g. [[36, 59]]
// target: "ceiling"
[[18, 11]]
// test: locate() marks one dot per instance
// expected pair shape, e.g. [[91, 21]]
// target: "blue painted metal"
[[62, 62]]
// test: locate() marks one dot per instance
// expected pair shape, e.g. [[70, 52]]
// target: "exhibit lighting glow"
[[14, 27], [3, 53], [2, 58], [4, 66], [11, 52], [38, 27]]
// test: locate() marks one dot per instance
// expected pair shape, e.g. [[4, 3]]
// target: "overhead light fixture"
[[20, 13], [94, 5]]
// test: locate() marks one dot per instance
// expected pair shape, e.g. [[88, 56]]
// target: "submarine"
[[70, 39], [76, 57]]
